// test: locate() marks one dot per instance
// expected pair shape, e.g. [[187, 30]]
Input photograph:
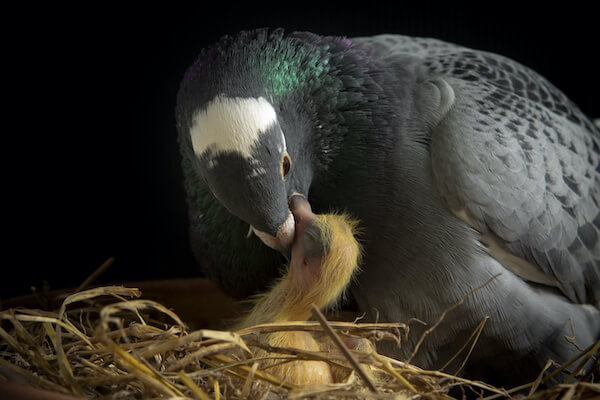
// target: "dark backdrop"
[[90, 162]]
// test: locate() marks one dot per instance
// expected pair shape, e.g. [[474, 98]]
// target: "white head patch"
[[231, 124]]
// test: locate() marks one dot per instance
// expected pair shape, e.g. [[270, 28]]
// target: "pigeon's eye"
[[286, 164]]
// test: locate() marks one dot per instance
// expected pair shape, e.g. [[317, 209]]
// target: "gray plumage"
[[462, 166], [517, 161]]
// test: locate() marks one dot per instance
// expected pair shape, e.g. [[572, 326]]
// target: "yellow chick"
[[325, 255]]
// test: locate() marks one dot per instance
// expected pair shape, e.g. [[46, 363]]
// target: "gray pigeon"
[[476, 182]]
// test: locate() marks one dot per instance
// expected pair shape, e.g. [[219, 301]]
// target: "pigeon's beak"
[[300, 215], [283, 239]]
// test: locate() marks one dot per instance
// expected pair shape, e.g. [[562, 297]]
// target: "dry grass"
[[108, 343]]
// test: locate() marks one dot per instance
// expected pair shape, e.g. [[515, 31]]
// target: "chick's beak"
[[302, 212], [303, 216]]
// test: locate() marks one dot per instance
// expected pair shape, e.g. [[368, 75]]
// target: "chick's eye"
[[312, 242], [286, 164]]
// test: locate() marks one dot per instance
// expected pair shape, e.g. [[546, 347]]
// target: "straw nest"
[[108, 343]]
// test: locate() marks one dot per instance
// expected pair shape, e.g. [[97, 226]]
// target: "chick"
[[325, 256]]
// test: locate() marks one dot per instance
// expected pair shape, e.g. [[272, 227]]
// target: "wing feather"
[[514, 154]]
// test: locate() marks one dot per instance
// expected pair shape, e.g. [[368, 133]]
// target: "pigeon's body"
[[461, 165]]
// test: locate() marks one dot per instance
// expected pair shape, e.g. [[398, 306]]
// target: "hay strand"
[[187, 381], [109, 343], [344, 350], [99, 271]]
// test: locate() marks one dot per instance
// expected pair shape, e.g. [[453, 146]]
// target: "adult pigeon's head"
[[243, 156], [261, 114]]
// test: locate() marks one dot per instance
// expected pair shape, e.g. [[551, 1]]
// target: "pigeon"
[[475, 180]]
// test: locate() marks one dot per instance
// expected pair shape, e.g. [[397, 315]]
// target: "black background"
[[91, 166]]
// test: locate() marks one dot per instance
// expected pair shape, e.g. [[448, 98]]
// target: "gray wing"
[[512, 156]]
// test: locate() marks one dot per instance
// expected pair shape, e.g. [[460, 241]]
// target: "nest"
[[108, 343]]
